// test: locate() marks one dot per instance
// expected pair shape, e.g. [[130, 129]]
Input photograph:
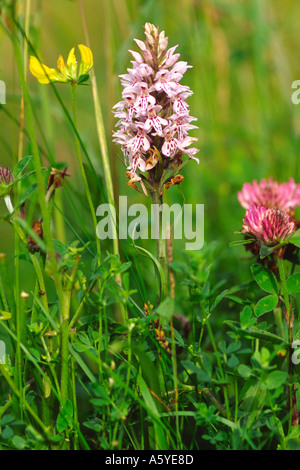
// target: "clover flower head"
[[65, 73], [270, 194], [267, 225], [6, 181], [153, 114]]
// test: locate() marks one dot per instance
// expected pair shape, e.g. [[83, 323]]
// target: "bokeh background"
[[245, 56]]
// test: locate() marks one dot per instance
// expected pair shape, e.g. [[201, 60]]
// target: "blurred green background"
[[245, 56]]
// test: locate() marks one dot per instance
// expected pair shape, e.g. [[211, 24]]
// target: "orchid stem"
[[161, 242]]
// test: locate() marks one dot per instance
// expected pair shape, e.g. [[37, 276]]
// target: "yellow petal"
[[72, 64], [61, 65], [43, 73], [86, 59]]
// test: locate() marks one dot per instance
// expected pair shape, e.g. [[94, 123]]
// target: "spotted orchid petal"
[[153, 113]]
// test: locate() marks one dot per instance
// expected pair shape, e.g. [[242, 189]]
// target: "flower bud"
[[6, 181]]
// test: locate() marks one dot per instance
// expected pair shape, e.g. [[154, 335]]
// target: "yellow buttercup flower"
[[65, 72]]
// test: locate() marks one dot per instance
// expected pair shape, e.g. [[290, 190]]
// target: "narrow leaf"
[[158, 430], [255, 333], [21, 165], [241, 242], [27, 194], [218, 299], [157, 265]]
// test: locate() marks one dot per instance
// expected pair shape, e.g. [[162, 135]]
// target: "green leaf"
[[35, 353], [234, 347], [166, 308], [266, 304], [241, 242], [82, 364], [295, 241], [244, 371], [27, 175], [275, 379], [27, 194], [295, 234], [7, 433], [159, 432], [83, 78], [60, 248], [265, 251], [99, 390], [148, 369], [235, 299], [64, 416], [255, 333], [232, 361], [157, 265], [218, 299], [295, 238], [5, 315], [246, 317], [32, 434], [265, 278], [193, 368], [6, 420], [293, 284], [19, 443], [100, 402], [20, 166], [94, 424]]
